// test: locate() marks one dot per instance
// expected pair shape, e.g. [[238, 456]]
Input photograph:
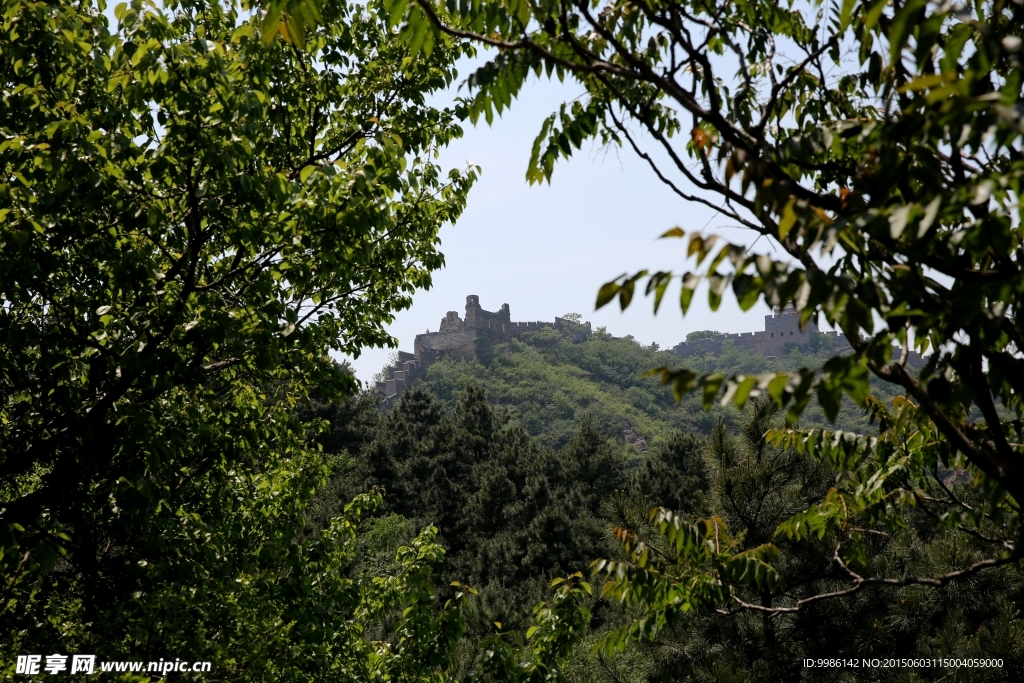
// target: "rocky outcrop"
[[635, 440], [630, 437]]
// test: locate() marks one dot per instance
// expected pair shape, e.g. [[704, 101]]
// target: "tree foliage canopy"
[[191, 221], [193, 214], [514, 513], [754, 488], [878, 146]]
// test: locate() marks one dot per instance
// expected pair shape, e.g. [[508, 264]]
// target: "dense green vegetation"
[[873, 150], [549, 384], [756, 487], [514, 513], [193, 215], [190, 221]]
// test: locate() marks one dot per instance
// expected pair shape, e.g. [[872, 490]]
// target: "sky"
[[546, 249]]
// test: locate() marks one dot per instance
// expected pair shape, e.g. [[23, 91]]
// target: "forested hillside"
[[549, 383], [520, 463], [204, 203], [512, 512]]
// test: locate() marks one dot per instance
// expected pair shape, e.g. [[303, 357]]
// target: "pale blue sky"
[[545, 250]]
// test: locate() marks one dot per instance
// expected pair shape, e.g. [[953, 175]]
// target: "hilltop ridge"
[[475, 336], [463, 339], [548, 379]]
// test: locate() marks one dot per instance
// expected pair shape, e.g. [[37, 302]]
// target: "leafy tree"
[[701, 334], [512, 514], [747, 486], [190, 222], [673, 476], [822, 343], [754, 487], [878, 147]]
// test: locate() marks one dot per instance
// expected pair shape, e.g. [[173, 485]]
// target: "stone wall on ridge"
[[464, 338]]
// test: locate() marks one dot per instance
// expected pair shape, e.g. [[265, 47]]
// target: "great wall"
[[780, 329], [459, 338], [474, 336]]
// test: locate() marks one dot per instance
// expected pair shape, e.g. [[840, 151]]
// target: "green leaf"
[[747, 569], [777, 386], [903, 25], [874, 13], [829, 397], [659, 284], [856, 382], [626, 293], [710, 385], [690, 282], [788, 219], [748, 290], [674, 232], [607, 292], [923, 83], [701, 246], [626, 289], [846, 14], [717, 284]]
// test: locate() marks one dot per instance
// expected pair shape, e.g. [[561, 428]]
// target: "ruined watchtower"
[[464, 338]]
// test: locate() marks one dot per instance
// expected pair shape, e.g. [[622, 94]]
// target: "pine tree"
[[754, 486], [511, 513]]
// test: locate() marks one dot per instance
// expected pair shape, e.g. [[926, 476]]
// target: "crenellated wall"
[[780, 328], [464, 338], [473, 336]]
